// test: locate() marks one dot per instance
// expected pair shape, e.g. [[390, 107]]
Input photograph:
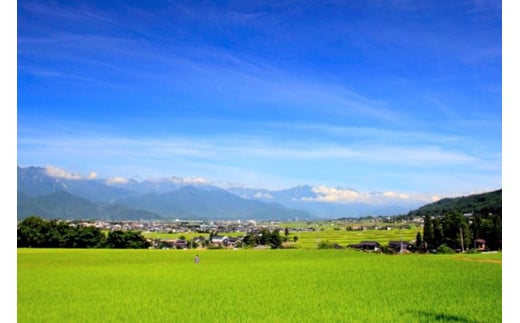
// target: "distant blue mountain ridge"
[[75, 198], [44, 193]]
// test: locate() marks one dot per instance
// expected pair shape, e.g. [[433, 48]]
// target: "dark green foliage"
[[275, 240], [88, 237], [264, 237], [459, 231], [490, 229], [120, 239], [438, 235], [484, 204], [479, 216], [387, 250], [445, 249], [325, 244], [428, 234], [248, 241], [32, 232], [418, 241], [455, 227], [192, 243], [35, 232], [60, 234]]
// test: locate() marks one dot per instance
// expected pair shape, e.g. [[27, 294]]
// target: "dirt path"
[[494, 261]]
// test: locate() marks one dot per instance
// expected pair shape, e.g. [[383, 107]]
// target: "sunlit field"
[[310, 239], [108, 285]]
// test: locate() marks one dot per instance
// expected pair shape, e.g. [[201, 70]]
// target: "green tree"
[[264, 237], [438, 236], [325, 244], [36, 232], [428, 231], [418, 241], [491, 231], [89, 237], [192, 243], [248, 241], [32, 233], [275, 240], [455, 227], [59, 234], [126, 240]]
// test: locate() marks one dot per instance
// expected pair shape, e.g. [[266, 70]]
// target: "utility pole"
[[461, 240], [401, 233]]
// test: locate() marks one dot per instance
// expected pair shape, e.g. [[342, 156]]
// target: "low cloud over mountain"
[[196, 197], [53, 193]]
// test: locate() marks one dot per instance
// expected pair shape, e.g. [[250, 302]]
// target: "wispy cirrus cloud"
[[230, 147], [173, 88], [270, 159]]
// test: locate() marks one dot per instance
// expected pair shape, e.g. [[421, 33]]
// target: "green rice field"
[[297, 285], [310, 239]]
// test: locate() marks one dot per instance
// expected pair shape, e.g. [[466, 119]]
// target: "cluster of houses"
[[176, 226], [403, 246], [396, 246], [225, 229], [215, 241]]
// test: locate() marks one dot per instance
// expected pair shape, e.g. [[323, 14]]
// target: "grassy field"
[[310, 239], [256, 286]]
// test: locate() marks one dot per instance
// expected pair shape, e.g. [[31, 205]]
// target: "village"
[[191, 234]]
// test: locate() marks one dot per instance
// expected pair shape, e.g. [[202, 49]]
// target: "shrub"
[[387, 250], [325, 244], [443, 248]]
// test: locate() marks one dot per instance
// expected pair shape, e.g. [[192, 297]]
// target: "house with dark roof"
[[396, 246], [366, 246]]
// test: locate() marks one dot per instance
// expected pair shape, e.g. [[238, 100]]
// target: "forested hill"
[[483, 204]]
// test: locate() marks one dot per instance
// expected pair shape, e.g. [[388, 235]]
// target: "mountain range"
[[52, 193]]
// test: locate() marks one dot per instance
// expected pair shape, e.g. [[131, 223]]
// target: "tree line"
[[456, 231], [265, 237], [35, 232]]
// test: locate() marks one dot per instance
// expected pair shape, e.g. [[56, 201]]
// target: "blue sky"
[[377, 96]]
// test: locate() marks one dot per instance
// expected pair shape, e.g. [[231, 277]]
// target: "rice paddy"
[[297, 285]]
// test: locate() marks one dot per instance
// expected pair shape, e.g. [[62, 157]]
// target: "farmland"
[[299, 285], [321, 232]]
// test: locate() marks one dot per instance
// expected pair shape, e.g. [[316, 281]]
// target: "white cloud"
[[116, 180], [260, 195], [194, 180], [333, 194], [394, 195], [346, 195], [92, 175], [60, 173]]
